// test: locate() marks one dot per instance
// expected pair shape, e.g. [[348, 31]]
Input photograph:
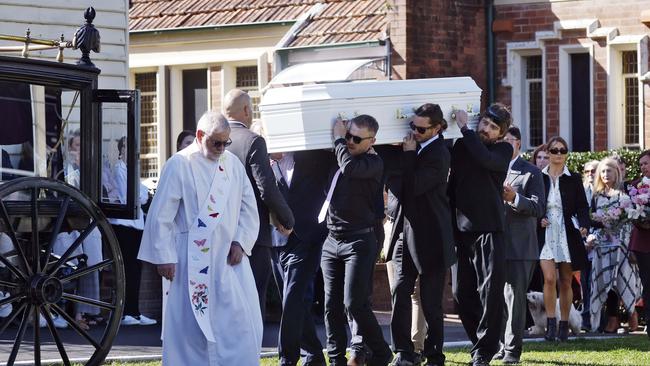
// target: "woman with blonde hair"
[[611, 268], [563, 247]]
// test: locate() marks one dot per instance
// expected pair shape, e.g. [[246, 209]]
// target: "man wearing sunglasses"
[[201, 227], [421, 240], [479, 165], [250, 148], [350, 250]]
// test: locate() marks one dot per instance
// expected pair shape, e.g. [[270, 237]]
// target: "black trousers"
[[299, 261], [643, 261], [479, 293], [129, 239], [261, 262], [346, 264], [431, 291]]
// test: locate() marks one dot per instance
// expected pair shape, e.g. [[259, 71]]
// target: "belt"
[[346, 234]]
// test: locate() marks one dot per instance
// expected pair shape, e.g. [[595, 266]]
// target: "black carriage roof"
[[47, 73]]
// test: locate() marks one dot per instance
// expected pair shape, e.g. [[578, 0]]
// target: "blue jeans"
[[299, 262]]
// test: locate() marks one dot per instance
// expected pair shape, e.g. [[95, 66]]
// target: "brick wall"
[[526, 19]]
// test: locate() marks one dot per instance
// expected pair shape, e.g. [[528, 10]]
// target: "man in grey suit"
[[250, 148], [523, 193]]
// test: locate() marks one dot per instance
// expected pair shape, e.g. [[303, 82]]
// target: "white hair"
[[212, 121]]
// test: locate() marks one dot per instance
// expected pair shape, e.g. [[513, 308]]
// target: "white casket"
[[300, 117]]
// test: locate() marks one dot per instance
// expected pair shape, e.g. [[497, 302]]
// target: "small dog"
[[538, 312]]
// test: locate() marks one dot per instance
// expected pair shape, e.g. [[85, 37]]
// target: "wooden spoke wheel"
[[59, 261]]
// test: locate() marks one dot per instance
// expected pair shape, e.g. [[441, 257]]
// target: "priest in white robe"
[[200, 230]]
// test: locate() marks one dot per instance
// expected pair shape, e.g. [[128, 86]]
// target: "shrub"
[[577, 160]]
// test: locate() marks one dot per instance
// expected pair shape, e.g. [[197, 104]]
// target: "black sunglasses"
[[356, 139], [219, 144], [556, 151], [420, 130]]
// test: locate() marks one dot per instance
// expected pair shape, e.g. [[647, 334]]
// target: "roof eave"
[[213, 27], [330, 45]]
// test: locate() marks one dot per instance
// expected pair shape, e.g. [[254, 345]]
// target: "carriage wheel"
[[44, 278]]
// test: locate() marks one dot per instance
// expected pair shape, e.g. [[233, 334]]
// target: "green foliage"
[[577, 160]]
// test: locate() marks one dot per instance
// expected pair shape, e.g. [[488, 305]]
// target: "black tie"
[[418, 147]]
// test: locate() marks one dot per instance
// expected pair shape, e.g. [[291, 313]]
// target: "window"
[[146, 83], [195, 96], [631, 97], [534, 100], [247, 81]]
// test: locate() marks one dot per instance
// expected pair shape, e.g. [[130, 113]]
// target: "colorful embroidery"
[[204, 270], [201, 223], [199, 242], [205, 250], [200, 297], [212, 199], [220, 168], [214, 215]]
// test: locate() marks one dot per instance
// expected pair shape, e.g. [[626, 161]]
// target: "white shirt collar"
[[427, 142], [512, 162], [564, 172], [645, 180]]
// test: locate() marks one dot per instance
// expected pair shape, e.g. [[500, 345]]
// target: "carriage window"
[[37, 123], [114, 153]]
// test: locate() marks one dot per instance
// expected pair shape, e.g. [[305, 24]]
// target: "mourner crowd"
[[227, 215]]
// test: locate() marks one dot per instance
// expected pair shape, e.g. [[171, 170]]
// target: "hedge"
[[577, 160]]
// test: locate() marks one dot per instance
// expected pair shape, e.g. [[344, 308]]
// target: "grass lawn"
[[624, 351]]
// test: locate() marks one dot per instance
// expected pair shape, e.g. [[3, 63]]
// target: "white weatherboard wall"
[[301, 117]]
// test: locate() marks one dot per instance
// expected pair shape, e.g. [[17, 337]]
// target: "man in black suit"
[[250, 148], [479, 165], [424, 244], [350, 250], [523, 193], [302, 179]]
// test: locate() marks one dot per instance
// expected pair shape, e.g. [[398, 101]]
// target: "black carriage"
[[59, 136]]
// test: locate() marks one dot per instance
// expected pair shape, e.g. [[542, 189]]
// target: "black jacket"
[[306, 193], [574, 203], [250, 148], [476, 183], [354, 202], [424, 216]]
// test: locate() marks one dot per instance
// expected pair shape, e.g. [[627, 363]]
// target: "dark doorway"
[[195, 96], [580, 102]]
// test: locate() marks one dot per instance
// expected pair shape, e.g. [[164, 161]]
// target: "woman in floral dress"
[[611, 268], [566, 221]]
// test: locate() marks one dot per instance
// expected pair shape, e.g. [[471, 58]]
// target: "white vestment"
[[233, 302]]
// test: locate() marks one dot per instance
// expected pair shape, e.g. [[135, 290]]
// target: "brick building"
[[577, 69]]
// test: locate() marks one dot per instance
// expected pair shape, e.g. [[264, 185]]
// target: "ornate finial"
[[25, 52], [62, 43], [86, 38]]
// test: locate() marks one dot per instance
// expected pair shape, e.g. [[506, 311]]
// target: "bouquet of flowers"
[[640, 197], [613, 211]]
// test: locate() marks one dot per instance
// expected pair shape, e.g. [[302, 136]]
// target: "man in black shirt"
[[479, 165], [350, 250]]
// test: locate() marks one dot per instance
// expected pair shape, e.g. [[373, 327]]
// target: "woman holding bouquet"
[[640, 239], [562, 237], [611, 268]]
